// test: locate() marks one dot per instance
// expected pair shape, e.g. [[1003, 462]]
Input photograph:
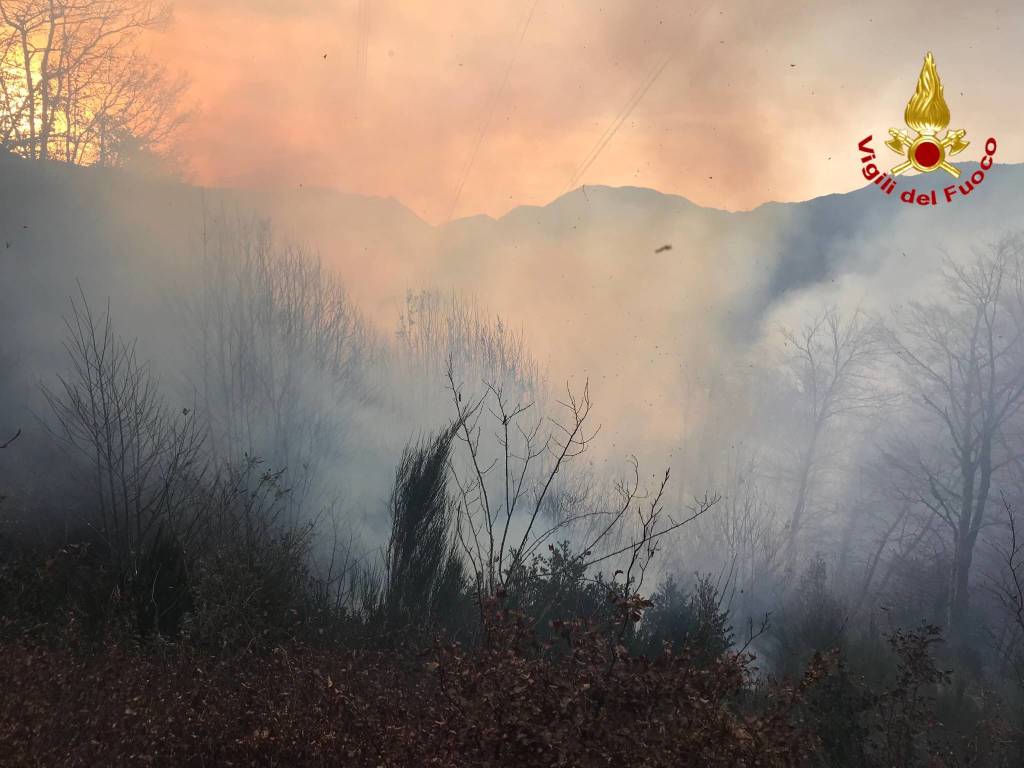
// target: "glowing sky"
[[758, 101]]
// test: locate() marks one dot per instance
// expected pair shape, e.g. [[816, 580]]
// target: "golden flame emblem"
[[927, 114]]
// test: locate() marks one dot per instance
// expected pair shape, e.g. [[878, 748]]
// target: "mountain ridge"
[[586, 277]]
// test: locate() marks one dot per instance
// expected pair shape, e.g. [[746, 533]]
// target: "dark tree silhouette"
[[962, 359], [74, 85]]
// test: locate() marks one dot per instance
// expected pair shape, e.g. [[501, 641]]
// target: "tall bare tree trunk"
[[803, 485], [972, 513], [30, 87]]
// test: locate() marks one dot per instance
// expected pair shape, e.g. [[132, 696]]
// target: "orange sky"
[[758, 101]]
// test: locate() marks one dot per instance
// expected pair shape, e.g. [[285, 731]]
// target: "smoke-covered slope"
[[586, 276]]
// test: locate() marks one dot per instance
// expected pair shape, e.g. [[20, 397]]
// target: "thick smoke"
[[320, 343]]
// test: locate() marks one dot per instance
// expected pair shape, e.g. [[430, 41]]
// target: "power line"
[[621, 118], [485, 126], [362, 46], [625, 112]]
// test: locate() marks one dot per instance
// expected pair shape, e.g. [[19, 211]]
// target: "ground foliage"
[[507, 701]]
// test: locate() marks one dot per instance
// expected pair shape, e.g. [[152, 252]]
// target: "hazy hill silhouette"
[[585, 275]]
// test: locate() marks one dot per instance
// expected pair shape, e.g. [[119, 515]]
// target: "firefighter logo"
[[927, 114]]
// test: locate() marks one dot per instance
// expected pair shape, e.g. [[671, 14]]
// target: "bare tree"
[[894, 531], [144, 463], [1007, 585], [963, 363], [745, 526], [282, 353], [438, 328], [489, 520], [501, 522], [831, 361], [74, 85]]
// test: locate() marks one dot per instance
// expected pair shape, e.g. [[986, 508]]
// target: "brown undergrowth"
[[576, 700]]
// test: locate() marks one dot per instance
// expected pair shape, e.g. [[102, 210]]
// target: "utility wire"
[[485, 126], [625, 112]]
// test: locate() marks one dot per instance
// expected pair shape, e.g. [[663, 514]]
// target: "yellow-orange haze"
[[758, 101]]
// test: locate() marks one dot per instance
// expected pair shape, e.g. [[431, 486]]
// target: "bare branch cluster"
[[281, 352], [962, 361], [436, 328], [74, 85], [833, 363], [504, 516], [146, 463]]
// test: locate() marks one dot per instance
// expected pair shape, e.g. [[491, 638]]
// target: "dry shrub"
[[512, 701]]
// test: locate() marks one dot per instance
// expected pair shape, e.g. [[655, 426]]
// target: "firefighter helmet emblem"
[[927, 114]]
